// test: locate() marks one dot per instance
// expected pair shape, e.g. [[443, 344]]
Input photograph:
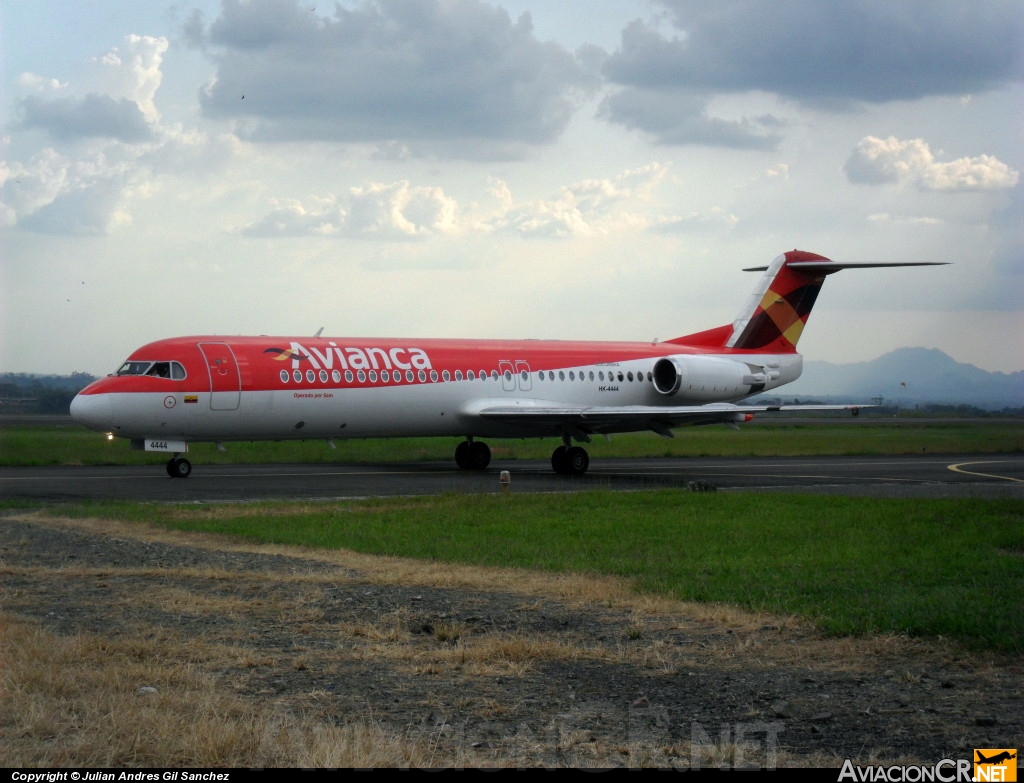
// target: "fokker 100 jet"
[[183, 390]]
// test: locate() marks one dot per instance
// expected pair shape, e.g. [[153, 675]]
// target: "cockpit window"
[[134, 368], [173, 370]]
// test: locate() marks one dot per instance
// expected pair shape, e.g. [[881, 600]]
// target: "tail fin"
[[773, 318]]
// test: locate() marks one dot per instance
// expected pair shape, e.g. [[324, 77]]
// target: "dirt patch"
[[497, 667]]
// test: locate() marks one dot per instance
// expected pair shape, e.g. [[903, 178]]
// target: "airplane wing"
[[581, 420]]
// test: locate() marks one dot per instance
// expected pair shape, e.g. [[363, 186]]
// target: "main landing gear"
[[567, 460], [570, 460], [179, 467], [472, 455]]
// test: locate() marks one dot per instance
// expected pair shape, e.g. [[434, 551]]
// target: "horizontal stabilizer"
[[825, 267]]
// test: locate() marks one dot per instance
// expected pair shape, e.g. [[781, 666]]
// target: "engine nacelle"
[[668, 376], [706, 378]]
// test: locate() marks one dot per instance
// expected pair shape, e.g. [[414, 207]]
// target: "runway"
[[967, 475]]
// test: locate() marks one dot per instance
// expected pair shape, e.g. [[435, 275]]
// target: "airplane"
[[183, 390], [996, 759]]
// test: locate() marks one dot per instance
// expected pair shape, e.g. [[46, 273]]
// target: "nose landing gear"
[[179, 467]]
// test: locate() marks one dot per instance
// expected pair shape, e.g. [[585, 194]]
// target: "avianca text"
[[370, 358]]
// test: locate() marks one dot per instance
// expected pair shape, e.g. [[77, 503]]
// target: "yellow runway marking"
[[959, 468]]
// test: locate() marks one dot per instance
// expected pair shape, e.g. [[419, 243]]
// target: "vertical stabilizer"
[[774, 316]]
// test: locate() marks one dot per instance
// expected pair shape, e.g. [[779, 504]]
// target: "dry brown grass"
[[79, 700], [91, 702]]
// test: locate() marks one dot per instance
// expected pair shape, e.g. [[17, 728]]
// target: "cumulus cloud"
[[133, 71], [91, 116], [54, 194], [592, 207], [891, 160], [395, 211], [814, 53], [400, 211], [109, 148], [426, 74], [120, 107]]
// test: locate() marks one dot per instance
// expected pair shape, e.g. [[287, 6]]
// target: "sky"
[[579, 169]]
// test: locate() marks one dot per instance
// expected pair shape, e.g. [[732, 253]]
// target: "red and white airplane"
[[212, 388]]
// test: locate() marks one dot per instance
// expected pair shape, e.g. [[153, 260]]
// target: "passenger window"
[[385, 376], [433, 376], [446, 376], [361, 376], [572, 375], [494, 375], [471, 375], [284, 376], [561, 375], [629, 376], [348, 376], [297, 375], [310, 376], [458, 375], [373, 376], [323, 376]]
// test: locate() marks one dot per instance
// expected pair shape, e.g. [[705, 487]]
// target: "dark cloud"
[[683, 119], [91, 116], [415, 71], [827, 54], [860, 50]]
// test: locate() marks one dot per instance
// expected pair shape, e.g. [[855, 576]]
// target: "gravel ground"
[[509, 672]]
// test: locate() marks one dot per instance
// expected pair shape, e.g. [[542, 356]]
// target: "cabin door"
[[225, 382]]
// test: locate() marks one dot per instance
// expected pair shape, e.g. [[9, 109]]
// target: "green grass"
[[853, 565], [952, 568], [73, 445]]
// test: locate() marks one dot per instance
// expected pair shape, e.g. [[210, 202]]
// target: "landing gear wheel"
[[472, 455], [559, 461], [178, 467], [479, 456], [570, 460], [577, 460]]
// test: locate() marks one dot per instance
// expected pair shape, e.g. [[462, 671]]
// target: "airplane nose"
[[92, 411]]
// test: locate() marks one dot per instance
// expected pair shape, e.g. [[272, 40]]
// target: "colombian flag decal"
[[191, 398]]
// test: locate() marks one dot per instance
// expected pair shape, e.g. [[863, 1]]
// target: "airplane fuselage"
[[267, 388]]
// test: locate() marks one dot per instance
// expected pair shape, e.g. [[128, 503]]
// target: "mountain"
[[910, 376]]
